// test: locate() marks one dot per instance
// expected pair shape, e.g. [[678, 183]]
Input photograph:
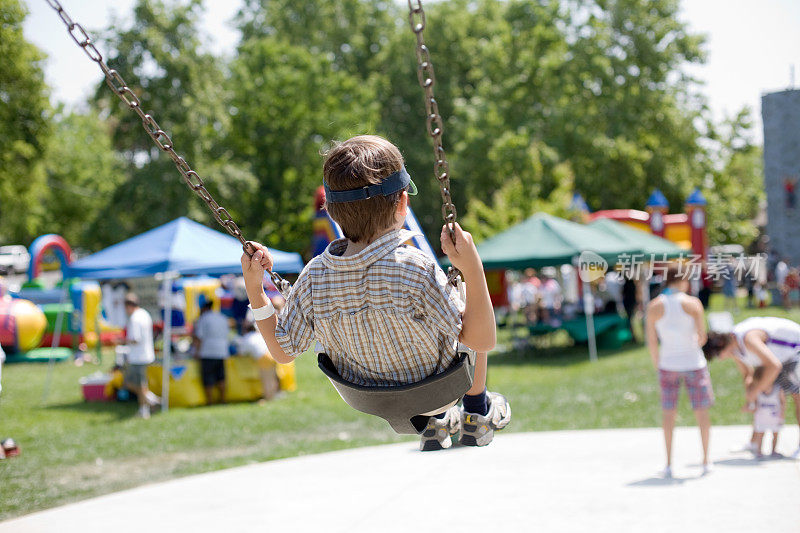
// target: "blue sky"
[[751, 46]]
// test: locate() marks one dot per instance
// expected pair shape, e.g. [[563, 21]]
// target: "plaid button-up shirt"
[[385, 316]]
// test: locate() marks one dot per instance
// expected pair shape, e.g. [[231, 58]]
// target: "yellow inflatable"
[[22, 324], [185, 387], [242, 381]]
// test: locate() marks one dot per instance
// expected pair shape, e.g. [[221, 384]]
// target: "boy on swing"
[[383, 310]]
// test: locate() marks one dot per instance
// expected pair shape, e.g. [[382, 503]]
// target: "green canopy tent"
[[652, 246], [545, 240]]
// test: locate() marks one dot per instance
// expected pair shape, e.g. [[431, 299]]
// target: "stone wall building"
[[781, 115]]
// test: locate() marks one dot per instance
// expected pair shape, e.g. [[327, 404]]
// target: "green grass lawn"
[[73, 450]]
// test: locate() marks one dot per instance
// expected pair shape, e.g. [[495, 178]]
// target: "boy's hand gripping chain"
[[159, 136]]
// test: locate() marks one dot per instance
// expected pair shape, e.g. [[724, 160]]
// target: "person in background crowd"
[[614, 282], [571, 298], [240, 302], [531, 278], [604, 302], [550, 292], [252, 343], [514, 291], [630, 302], [781, 272], [761, 294], [139, 353], [212, 348], [729, 286], [531, 287], [706, 283], [792, 286], [750, 285], [119, 291], [676, 332], [655, 284]]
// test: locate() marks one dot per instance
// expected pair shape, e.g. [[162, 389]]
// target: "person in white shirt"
[[769, 342], [550, 292], [210, 335], [252, 343], [139, 354]]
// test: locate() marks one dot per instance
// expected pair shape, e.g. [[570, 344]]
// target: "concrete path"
[[593, 481]]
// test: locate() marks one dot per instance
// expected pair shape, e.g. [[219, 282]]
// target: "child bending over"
[[768, 416], [383, 310]]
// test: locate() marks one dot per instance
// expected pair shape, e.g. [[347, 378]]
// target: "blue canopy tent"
[[183, 246], [180, 247]]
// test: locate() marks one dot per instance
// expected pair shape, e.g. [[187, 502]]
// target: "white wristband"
[[263, 313]]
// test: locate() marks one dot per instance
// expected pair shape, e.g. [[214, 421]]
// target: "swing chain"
[[435, 125], [160, 137]]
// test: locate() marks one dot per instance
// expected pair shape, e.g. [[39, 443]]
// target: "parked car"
[[14, 259]]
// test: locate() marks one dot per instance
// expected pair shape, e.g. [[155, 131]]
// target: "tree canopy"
[[539, 98], [25, 128]]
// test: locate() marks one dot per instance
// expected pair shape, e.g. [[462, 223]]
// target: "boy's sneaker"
[[438, 433], [478, 430], [144, 412]]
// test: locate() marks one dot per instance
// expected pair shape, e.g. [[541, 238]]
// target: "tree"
[[161, 57], [83, 171], [535, 181], [24, 128], [734, 187], [600, 82], [286, 105], [629, 110], [537, 98], [349, 33]]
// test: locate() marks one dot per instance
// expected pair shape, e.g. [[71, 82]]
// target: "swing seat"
[[407, 408]]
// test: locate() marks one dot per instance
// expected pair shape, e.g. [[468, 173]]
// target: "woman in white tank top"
[[676, 332]]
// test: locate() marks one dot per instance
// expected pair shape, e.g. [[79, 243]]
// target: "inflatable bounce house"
[[29, 319], [22, 325], [687, 229], [44, 245]]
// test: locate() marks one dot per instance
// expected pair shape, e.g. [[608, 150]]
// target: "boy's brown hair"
[[359, 162]]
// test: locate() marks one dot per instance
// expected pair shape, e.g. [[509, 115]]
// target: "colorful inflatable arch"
[[48, 243]]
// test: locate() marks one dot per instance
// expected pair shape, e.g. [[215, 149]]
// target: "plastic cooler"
[[94, 386]]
